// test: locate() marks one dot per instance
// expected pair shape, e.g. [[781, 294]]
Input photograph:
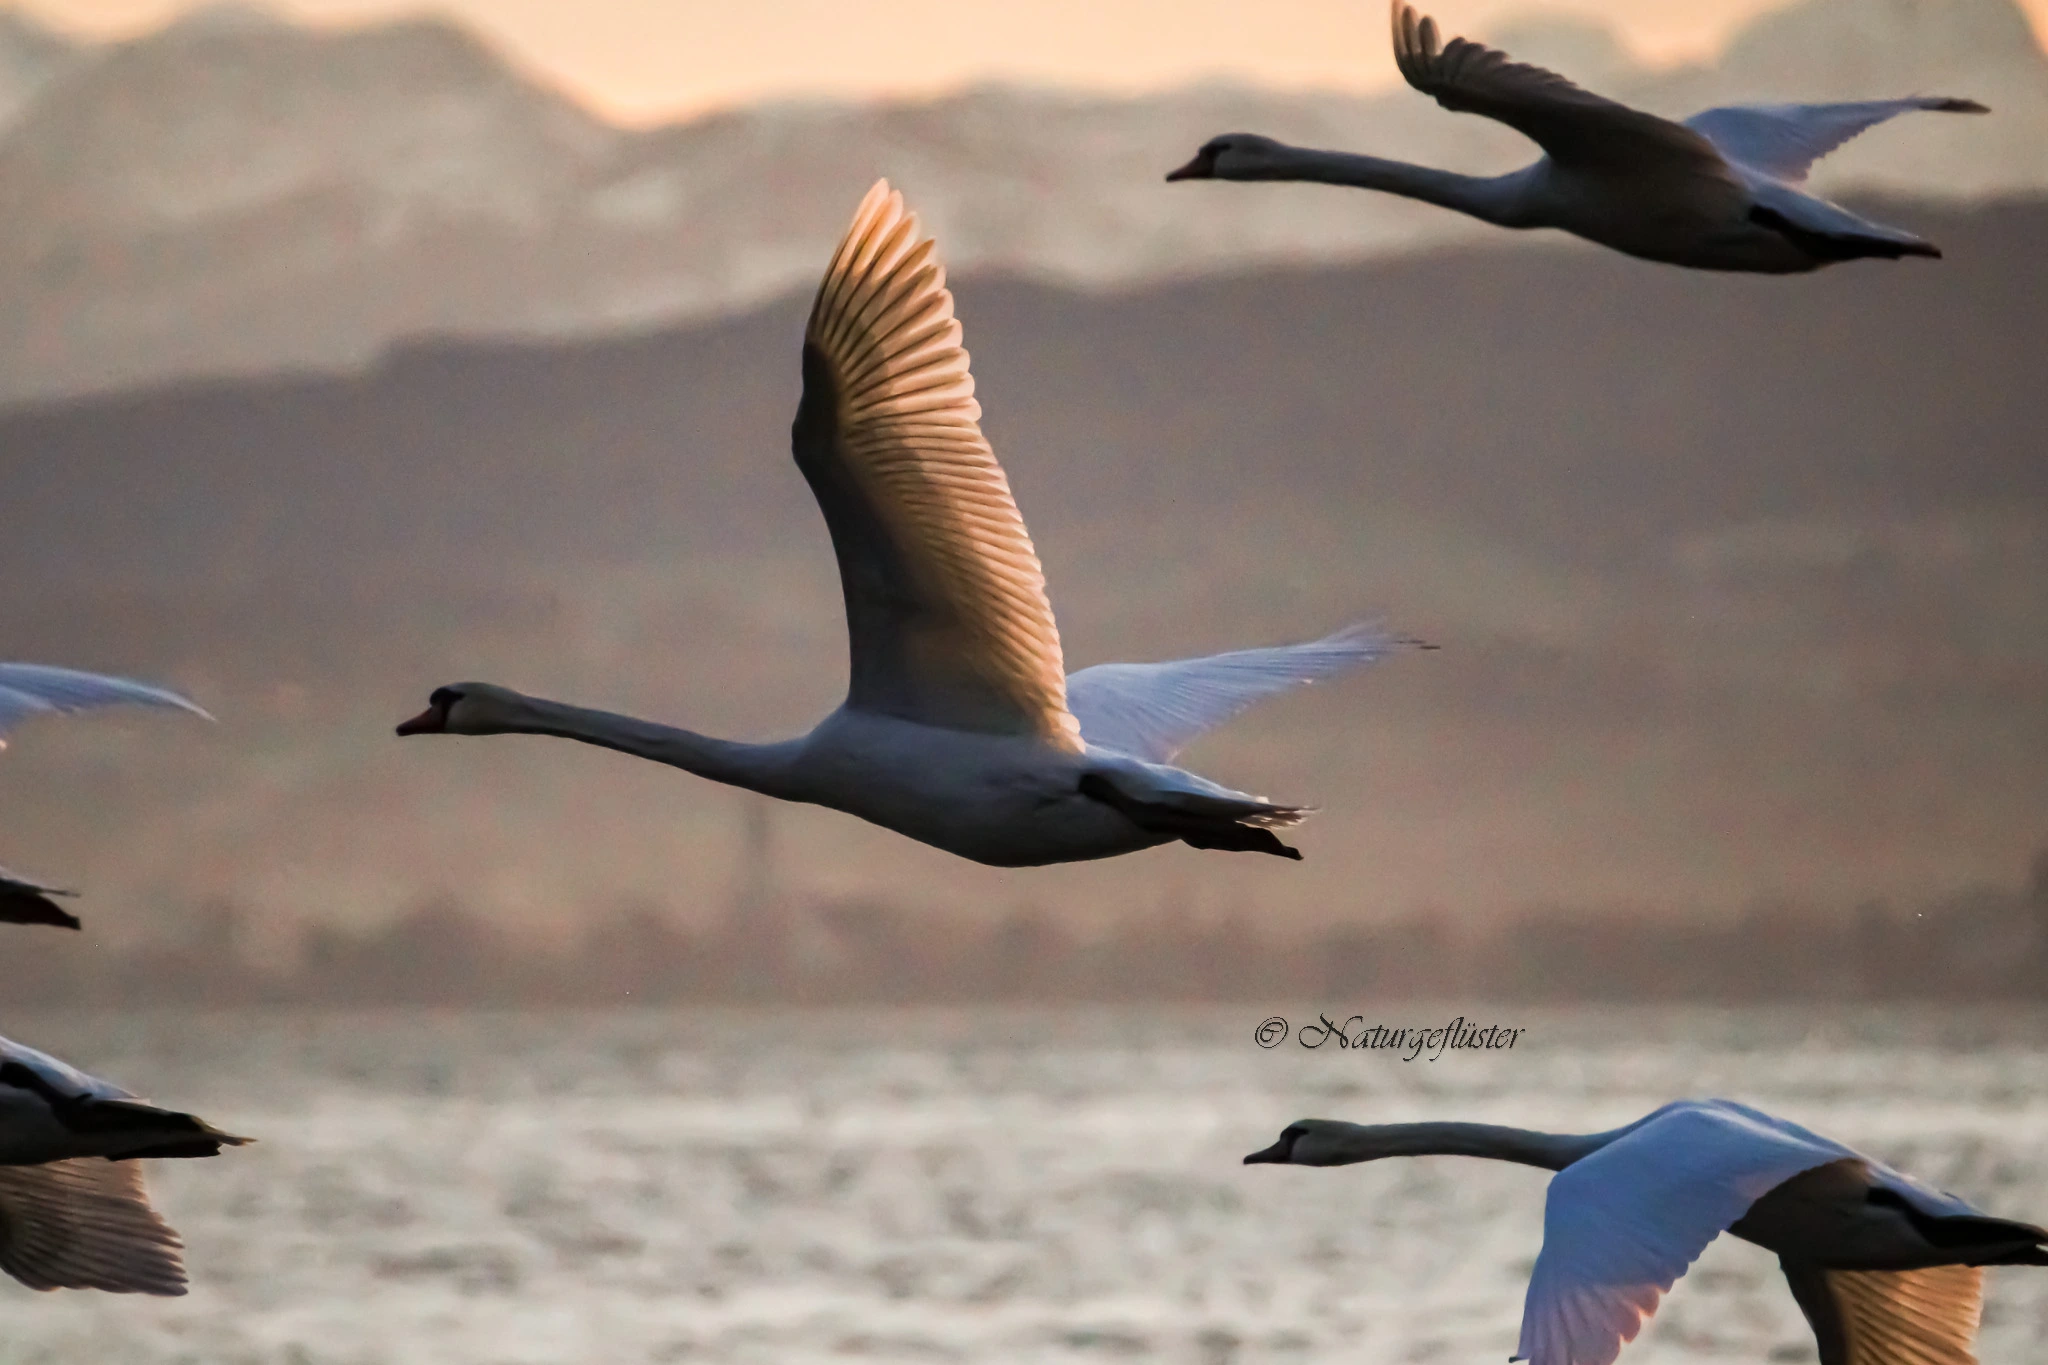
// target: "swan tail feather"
[[1226, 822], [1880, 244]]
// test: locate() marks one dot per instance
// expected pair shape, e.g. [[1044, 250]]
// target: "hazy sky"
[[644, 60]]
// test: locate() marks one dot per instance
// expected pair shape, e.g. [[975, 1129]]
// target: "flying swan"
[[1723, 190], [961, 728], [1887, 1271], [74, 1213], [38, 689]]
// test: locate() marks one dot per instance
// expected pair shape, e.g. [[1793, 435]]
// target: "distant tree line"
[[1986, 943]]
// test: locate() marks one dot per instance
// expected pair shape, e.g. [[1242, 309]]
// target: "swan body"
[[961, 727], [74, 1213], [28, 690], [1723, 190], [1887, 1270]]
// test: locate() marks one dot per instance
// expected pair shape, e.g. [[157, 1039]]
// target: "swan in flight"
[[961, 728], [1724, 190], [1887, 1270], [38, 689], [73, 1210]]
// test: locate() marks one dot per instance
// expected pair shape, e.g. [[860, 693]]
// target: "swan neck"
[[757, 767], [1551, 1151], [1495, 199]]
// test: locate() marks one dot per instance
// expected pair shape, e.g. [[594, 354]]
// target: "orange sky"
[[645, 60]]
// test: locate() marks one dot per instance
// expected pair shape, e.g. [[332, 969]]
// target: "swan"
[[41, 689], [74, 1213], [1887, 1270], [1721, 191], [960, 728]]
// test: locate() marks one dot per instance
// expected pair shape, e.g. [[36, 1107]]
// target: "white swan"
[[73, 1210], [39, 689], [960, 727], [1885, 1269], [1720, 191]]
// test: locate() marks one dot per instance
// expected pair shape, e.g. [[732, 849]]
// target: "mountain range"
[[1739, 584], [234, 194]]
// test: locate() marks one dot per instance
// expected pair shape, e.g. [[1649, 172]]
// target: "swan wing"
[[1575, 126], [24, 1068], [1784, 140], [86, 1223], [946, 613], [38, 689], [1621, 1225], [1153, 711], [1891, 1317]]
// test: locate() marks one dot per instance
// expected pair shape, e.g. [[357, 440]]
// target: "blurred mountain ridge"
[[1739, 584], [234, 195]]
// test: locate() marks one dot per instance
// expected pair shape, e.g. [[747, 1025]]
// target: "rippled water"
[[981, 1186]]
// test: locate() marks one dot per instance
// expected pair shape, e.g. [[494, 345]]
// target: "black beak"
[[1277, 1154], [1203, 167]]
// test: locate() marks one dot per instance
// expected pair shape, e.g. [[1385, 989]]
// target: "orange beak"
[[427, 722]]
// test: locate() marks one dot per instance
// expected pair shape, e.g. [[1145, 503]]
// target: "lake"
[[1056, 1185]]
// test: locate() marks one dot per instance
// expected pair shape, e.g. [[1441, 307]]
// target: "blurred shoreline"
[[769, 949]]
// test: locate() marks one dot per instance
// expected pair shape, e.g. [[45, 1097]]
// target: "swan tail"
[[27, 908], [136, 1130], [1847, 243], [1219, 819], [27, 902]]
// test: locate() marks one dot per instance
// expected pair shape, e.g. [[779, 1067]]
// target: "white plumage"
[[960, 727], [1887, 1271], [1720, 191], [28, 690]]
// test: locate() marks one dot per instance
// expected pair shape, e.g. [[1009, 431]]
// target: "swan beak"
[[1203, 167], [1277, 1154], [427, 722]]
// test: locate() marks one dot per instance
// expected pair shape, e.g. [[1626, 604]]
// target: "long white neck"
[[1354, 1142], [1500, 199], [765, 768]]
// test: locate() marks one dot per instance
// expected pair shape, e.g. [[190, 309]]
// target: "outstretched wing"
[[1153, 711], [1574, 126], [1891, 1317], [946, 613], [1784, 140], [86, 1224], [1620, 1226], [37, 689]]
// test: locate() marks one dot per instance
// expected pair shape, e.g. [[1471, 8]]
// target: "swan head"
[[1308, 1142], [1233, 156], [467, 709]]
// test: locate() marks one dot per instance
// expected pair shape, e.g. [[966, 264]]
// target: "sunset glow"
[[642, 61]]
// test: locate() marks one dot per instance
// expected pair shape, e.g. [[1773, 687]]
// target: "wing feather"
[[948, 621], [1909, 1317], [38, 689], [86, 1224], [1784, 140], [1152, 711], [1621, 1225], [1573, 125]]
